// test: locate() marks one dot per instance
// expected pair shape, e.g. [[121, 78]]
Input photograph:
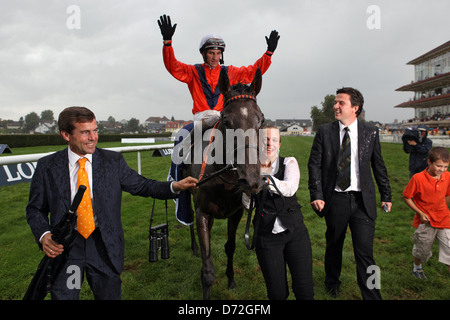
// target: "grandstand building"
[[431, 87]]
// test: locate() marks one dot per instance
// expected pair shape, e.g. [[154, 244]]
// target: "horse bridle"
[[239, 97], [229, 167], [203, 178]]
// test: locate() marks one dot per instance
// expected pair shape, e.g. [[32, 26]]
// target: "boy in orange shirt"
[[428, 195]]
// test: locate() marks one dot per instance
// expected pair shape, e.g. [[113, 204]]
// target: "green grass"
[[179, 276]]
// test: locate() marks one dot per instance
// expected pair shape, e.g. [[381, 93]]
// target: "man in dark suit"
[[53, 187], [353, 204]]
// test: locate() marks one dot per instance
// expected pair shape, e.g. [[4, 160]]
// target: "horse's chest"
[[220, 202]]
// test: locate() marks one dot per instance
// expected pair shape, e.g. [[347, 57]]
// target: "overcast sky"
[[109, 59]]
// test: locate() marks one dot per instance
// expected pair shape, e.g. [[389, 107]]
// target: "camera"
[[410, 134], [159, 240], [413, 134]]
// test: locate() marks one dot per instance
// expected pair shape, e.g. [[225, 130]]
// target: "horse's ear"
[[224, 82], [257, 82]]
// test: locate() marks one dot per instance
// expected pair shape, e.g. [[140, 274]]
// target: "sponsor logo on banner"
[[16, 173]]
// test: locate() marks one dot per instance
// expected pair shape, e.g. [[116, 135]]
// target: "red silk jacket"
[[202, 80]]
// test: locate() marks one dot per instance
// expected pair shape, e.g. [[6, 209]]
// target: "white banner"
[[16, 169], [16, 173]]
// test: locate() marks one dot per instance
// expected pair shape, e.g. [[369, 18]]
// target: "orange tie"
[[85, 220]]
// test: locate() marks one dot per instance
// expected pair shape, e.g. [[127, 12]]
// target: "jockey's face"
[[212, 57]]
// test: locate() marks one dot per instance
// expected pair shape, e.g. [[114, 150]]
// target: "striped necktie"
[[85, 213], [343, 180]]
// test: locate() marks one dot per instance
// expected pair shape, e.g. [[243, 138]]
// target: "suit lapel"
[[95, 171], [361, 138], [60, 173], [98, 173], [334, 137]]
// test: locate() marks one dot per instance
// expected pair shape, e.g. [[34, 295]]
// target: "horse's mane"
[[239, 88]]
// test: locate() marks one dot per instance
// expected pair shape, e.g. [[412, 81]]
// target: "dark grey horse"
[[228, 176]]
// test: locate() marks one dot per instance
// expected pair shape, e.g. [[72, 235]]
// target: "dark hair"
[[69, 116], [439, 153], [266, 126], [356, 98]]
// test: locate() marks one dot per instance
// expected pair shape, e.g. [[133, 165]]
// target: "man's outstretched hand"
[[186, 183], [272, 41], [167, 30]]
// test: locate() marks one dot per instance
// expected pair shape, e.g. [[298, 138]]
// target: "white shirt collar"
[[353, 126], [73, 157]]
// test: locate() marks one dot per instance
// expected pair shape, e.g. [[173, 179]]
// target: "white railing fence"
[[22, 173]]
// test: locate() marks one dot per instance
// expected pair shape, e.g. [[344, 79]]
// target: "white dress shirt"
[[73, 176], [73, 172], [354, 163]]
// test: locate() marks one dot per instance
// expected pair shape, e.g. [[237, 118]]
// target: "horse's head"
[[241, 120]]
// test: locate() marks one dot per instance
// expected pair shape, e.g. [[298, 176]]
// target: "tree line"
[[32, 120]]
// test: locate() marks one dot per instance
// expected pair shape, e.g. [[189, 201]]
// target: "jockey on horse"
[[202, 80]]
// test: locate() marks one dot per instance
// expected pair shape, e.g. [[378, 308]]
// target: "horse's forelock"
[[238, 89]]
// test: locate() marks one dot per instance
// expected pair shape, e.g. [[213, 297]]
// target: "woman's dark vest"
[[270, 205]]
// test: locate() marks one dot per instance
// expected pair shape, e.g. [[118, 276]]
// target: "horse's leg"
[[204, 225], [194, 245], [230, 246]]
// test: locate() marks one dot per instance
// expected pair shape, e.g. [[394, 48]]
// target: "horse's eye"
[[226, 121]]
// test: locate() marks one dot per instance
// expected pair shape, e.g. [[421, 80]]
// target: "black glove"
[[272, 41], [167, 30]]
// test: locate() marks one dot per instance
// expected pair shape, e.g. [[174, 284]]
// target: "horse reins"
[[202, 178], [205, 158], [257, 218]]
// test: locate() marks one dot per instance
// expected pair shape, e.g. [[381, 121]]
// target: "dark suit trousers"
[[87, 256], [293, 248], [347, 209]]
